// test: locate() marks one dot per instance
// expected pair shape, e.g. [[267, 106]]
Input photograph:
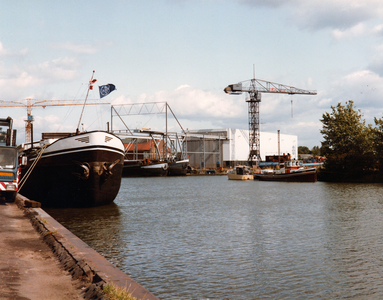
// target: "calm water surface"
[[208, 237]]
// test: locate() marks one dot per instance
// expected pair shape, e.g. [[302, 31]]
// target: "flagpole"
[[90, 84]]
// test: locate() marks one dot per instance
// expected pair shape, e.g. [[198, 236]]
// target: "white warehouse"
[[227, 147], [236, 147]]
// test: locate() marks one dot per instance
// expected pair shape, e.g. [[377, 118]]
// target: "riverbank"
[[28, 261], [28, 268], [369, 176], [199, 172]]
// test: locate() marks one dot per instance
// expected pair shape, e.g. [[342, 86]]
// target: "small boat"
[[240, 173], [144, 168], [293, 171]]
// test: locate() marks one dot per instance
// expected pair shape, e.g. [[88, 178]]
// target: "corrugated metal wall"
[[204, 152]]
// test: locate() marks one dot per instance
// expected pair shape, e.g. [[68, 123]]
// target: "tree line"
[[353, 149], [315, 151]]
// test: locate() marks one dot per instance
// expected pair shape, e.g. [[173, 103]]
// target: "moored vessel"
[[79, 170], [144, 168], [240, 173], [178, 167], [293, 171]]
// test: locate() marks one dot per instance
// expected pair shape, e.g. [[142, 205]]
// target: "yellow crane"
[[29, 103]]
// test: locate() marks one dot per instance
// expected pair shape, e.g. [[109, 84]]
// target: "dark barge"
[[78, 170]]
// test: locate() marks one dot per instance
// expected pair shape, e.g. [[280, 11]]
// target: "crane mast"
[[255, 88]]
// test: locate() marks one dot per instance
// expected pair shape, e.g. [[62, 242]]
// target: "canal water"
[[205, 237]]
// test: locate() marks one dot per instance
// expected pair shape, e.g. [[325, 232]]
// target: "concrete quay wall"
[[80, 260]]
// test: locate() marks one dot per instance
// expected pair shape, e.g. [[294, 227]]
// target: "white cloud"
[[192, 102], [57, 69], [8, 53], [16, 82], [363, 87], [359, 30], [122, 99], [378, 30], [376, 64], [270, 3], [16, 79], [3, 52], [47, 123], [76, 48], [319, 14], [341, 14], [349, 33], [192, 107]]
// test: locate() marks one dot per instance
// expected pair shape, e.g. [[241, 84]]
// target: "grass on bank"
[[115, 293]]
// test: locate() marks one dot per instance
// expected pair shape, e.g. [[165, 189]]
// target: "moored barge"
[[78, 170], [293, 171], [144, 168]]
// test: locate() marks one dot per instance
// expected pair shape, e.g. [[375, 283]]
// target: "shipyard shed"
[[204, 148], [212, 148]]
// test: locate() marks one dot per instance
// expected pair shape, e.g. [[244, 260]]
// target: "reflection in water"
[[353, 238], [207, 237], [99, 227]]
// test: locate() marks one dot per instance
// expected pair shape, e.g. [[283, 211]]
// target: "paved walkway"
[[28, 268]]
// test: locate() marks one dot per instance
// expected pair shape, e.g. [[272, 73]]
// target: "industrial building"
[[213, 148]]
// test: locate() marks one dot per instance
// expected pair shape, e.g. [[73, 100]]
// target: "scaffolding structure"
[[173, 143]]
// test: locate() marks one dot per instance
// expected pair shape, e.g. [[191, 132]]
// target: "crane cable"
[[26, 175]]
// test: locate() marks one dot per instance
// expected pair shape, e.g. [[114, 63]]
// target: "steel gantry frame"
[[170, 139], [254, 88]]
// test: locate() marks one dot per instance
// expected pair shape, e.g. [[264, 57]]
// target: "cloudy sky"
[[185, 52]]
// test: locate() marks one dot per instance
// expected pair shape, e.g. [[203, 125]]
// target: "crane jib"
[[265, 87]]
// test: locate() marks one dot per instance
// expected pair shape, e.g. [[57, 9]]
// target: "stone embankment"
[[29, 270]]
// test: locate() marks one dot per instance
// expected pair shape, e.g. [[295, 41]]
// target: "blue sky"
[[186, 52]]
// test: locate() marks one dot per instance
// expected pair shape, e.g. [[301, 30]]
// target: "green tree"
[[378, 142], [347, 145], [303, 150], [315, 151]]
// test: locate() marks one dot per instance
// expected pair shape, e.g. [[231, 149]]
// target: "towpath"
[[28, 268]]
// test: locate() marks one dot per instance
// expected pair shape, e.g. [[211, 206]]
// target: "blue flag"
[[106, 89]]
